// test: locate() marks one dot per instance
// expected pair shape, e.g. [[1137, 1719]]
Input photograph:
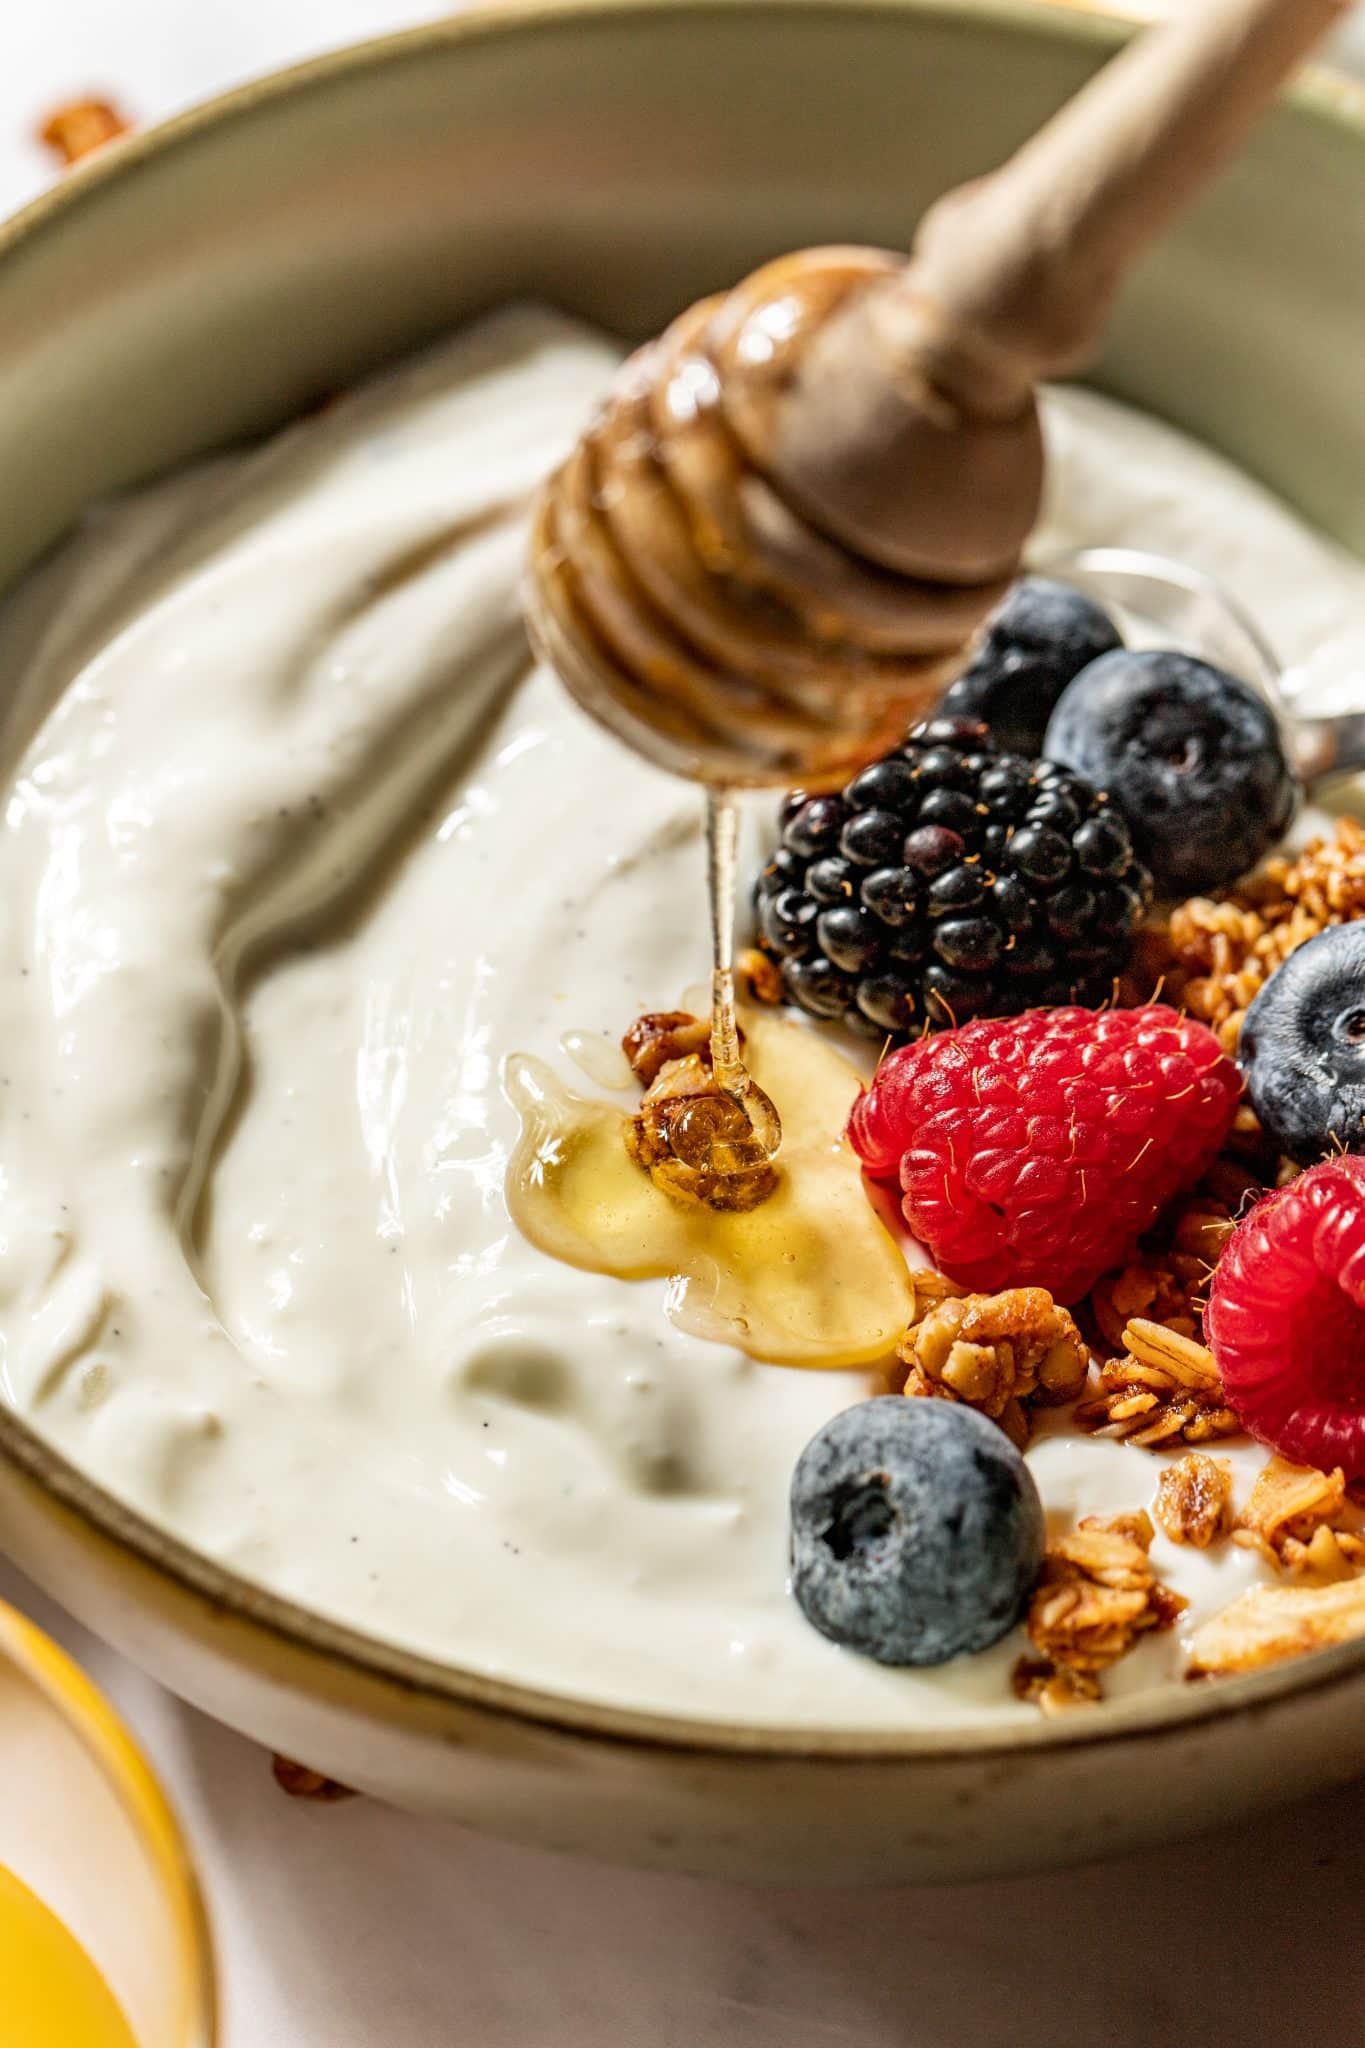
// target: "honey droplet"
[[811, 1277]]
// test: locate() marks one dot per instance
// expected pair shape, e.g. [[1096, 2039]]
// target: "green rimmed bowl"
[[196, 285]]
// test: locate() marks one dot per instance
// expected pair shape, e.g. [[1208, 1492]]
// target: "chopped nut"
[[1271, 1623], [1163, 1389], [1301, 1520], [1194, 1499], [929, 1288], [81, 126], [695, 1142], [996, 1352], [1097, 1594], [664, 1035], [1212, 958]]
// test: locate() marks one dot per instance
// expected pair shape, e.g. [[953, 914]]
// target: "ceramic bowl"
[[198, 284]]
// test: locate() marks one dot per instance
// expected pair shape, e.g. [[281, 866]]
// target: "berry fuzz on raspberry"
[[1286, 1318], [950, 881], [1034, 1151]]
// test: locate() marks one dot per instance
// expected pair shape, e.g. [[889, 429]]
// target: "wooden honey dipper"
[[766, 556]]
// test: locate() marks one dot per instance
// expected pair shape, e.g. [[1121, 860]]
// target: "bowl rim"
[[351, 1652]]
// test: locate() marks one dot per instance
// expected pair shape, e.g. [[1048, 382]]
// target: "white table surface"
[[352, 1926]]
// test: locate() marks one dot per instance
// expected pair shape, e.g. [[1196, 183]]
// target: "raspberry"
[[1286, 1318], [1034, 1151]]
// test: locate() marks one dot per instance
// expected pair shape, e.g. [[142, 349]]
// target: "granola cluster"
[[1194, 1500], [1096, 1596], [1163, 1388], [658, 1038], [1167, 1279], [1302, 1521], [1212, 958], [999, 1353], [691, 1138]]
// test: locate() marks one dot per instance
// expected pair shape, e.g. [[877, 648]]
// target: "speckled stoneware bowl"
[[196, 285]]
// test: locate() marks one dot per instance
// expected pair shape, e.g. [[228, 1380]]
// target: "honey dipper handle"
[[1029, 259], [907, 429]]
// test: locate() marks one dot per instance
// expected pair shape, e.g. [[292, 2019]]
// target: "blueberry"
[[1042, 635], [1192, 756], [916, 1530], [1302, 1048]]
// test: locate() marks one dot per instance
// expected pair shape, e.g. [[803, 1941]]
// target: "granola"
[[1212, 958], [1271, 1623], [1053, 1687], [695, 1142], [1162, 1389], [661, 1036], [1097, 1594], [998, 1353], [1302, 1520], [82, 126], [1194, 1500], [1167, 1279]]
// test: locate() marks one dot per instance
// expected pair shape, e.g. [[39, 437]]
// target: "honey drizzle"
[[727, 1064], [811, 1277]]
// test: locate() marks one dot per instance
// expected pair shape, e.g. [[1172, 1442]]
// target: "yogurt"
[[297, 846]]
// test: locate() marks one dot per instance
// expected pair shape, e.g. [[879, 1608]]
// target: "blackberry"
[[950, 880]]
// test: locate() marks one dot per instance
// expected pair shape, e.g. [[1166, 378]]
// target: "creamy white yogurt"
[[296, 847]]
